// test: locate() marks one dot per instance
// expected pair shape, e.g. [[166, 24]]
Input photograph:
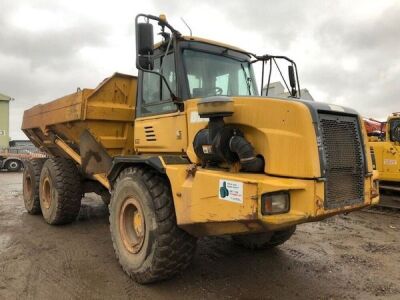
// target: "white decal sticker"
[[231, 190], [207, 149], [390, 162], [195, 118], [336, 107]]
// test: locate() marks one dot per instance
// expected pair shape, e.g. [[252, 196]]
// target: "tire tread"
[[175, 248], [68, 184], [36, 165]]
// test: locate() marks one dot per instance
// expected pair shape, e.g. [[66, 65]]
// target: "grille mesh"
[[344, 161]]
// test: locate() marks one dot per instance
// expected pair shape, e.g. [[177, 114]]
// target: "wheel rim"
[[46, 193], [13, 165], [28, 186], [132, 225]]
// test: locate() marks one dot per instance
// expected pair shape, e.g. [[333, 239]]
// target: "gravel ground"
[[356, 256]]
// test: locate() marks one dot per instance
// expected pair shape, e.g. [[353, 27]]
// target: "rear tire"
[[264, 240], [60, 191], [13, 165], [30, 184], [147, 241]]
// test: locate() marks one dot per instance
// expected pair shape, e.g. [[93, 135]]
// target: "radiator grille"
[[344, 160]]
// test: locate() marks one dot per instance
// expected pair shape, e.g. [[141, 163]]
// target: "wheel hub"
[[132, 225], [46, 193], [28, 186], [13, 165]]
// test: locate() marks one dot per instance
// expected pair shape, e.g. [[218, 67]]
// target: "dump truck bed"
[[106, 112]]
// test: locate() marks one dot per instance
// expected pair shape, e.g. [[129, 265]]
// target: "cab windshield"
[[212, 74], [395, 130]]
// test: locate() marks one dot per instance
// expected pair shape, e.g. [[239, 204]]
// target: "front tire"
[[60, 191], [147, 241], [264, 240]]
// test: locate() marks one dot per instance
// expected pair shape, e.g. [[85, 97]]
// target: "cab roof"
[[212, 42], [206, 41]]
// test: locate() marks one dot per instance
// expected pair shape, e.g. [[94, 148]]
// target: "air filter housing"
[[215, 106], [223, 143]]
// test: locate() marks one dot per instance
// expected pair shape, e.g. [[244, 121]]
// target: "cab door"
[[391, 152], [159, 126], [161, 134], [391, 157]]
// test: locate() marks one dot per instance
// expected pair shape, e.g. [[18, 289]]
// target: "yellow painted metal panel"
[[281, 131], [387, 155], [197, 201], [387, 159], [162, 133], [108, 112], [201, 201]]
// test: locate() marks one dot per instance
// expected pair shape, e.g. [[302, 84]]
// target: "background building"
[[4, 120], [276, 89]]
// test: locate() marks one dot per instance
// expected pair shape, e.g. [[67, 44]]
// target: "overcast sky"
[[346, 51]]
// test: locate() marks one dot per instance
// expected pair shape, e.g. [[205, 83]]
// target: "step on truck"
[[190, 148]]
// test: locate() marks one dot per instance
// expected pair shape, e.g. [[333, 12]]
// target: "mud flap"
[[95, 159]]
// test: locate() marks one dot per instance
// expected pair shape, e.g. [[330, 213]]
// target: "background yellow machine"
[[385, 146], [189, 148]]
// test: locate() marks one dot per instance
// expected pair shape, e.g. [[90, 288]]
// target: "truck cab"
[[296, 139], [387, 155]]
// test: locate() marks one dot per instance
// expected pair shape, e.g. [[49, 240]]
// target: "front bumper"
[[307, 202], [201, 211]]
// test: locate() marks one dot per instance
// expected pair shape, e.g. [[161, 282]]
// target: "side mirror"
[[144, 46], [292, 81], [145, 62]]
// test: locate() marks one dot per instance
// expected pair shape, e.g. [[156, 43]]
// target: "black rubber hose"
[[248, 160]]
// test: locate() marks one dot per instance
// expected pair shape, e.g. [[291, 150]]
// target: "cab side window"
[[395, 130], [156, 98]]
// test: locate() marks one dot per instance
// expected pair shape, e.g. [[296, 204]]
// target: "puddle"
[[5, 241]]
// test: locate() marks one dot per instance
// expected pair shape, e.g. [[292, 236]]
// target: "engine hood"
[[283, 131]]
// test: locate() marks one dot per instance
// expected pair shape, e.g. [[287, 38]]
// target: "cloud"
[[372, 43], [51, 47], [40, 63], [345, 51], [54, 46]]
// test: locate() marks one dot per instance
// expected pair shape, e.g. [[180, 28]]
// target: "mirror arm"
[[262, 77], [297, 79], [161, 22], [269, 76], [280, 72], [176, 34]]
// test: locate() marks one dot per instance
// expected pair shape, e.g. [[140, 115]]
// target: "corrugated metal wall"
[[4, 123]]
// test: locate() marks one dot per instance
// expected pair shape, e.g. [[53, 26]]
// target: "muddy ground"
[[352, 256]]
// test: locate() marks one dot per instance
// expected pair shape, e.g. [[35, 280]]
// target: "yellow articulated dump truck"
[[386, 159], [189, 148]]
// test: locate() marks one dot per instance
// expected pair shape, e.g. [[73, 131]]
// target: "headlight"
[[275, 203]]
